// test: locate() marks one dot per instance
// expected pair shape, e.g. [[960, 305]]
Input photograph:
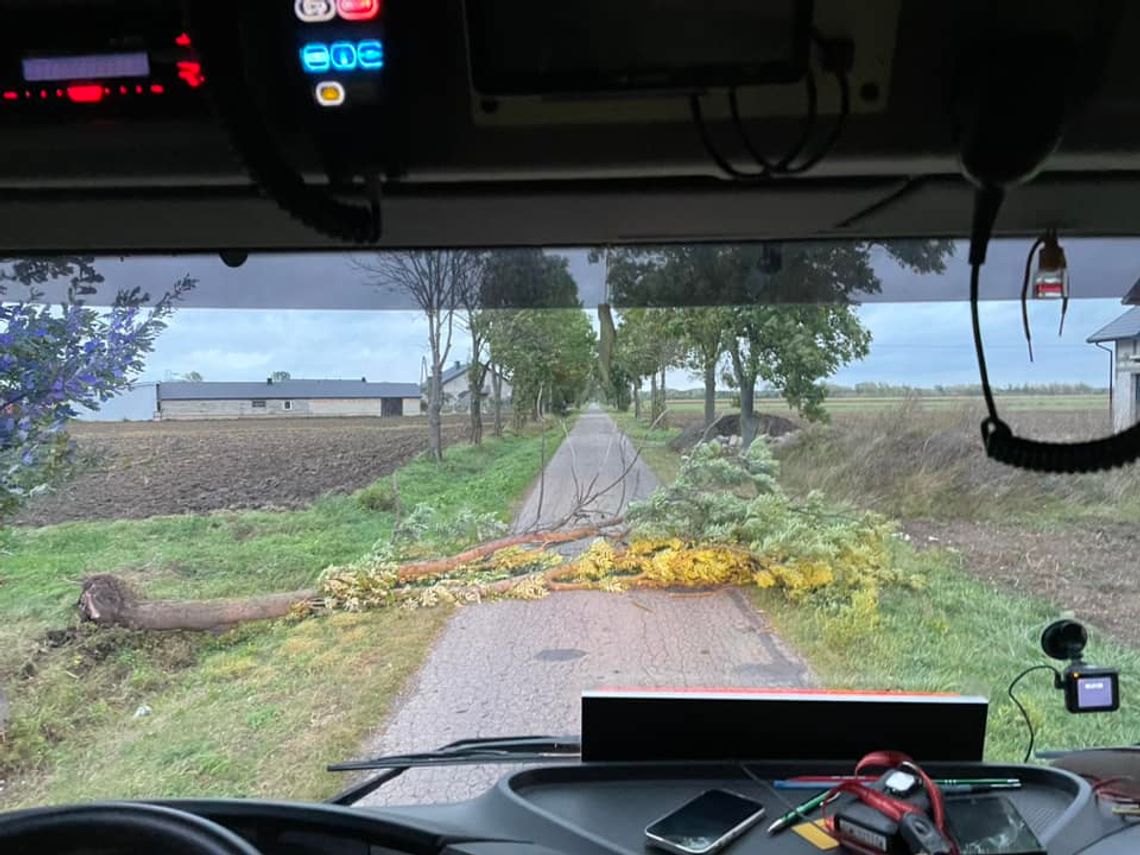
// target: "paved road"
[[595, 474], [518, 667]]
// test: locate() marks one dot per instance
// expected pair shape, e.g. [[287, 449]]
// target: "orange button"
[[358, 10], [330, 93]]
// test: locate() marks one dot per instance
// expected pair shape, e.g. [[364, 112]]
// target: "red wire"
[[891, 807]]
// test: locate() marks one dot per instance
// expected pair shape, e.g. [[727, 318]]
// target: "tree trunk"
[[654, 401], [497, 392], [664, 395], [747, 414], [635, 393], [746, 383], [435, 397], [107, 600], [710, 393], [475, 377]]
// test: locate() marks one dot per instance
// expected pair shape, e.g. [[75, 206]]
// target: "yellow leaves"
[[528, 588], [355, 587], [699, 566], [595, 563]]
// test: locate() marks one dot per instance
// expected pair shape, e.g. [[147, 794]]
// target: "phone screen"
[[698, 825], [990, 825]]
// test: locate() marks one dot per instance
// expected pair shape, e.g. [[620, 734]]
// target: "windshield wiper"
[[465, 752]]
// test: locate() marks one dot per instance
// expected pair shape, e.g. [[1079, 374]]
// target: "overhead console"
[[159, 110]]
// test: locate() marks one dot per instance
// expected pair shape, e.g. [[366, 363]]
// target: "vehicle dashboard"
[[604, 808]]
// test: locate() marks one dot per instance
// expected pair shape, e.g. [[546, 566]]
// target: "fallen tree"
[[109, 600]]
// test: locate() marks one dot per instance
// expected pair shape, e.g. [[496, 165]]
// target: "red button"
[[358, 10]]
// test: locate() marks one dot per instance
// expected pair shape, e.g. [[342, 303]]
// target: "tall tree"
[[648, 344], [436, 280], [705, 336], [523, 295], [54, 359], [792, 347]]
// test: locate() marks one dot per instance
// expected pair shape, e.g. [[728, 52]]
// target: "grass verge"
[[257, 711], [958, 635], [653, 444]]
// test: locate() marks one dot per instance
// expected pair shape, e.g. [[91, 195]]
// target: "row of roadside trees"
[[746, 314], [521, 312]]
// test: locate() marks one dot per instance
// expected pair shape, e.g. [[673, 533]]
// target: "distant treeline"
[[889, 390]]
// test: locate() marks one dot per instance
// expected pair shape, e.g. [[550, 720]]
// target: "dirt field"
[[143, 469], [1089, 570]]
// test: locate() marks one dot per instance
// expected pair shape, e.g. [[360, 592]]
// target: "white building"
[[136, 404], [1124, 334], [457, 391], [287, 398]]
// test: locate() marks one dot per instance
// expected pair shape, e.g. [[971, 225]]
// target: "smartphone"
[[990, 825], [706, 824]]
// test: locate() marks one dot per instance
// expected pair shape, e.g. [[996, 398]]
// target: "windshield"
[[259, 519]]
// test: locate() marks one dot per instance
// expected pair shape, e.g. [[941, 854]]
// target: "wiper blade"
[[516, 749], [467, 752]]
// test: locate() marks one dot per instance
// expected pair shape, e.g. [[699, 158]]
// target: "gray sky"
[[315, 315]]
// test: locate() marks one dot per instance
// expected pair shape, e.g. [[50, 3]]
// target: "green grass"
[[259, 713], [958, 635], [836, 406], [653, 444], [317, 686]]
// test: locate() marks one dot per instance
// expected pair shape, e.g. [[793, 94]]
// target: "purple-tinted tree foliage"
[[54, 359]]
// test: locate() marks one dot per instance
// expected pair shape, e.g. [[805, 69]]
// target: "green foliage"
[[379, 496], [535, 329], [837, 560]]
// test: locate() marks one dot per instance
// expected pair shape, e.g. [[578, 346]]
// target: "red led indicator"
[[157, 88], [85, 93], [358, 10], [43, 93], [106, 90], [183, 40], [9, 95], [122, 90], [191, 72]]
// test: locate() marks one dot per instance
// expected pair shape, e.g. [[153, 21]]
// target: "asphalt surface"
[[516, 667]]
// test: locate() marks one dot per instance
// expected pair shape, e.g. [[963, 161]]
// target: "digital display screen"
[[529, 47], [103, 66], [1095, 692], [699, 824]]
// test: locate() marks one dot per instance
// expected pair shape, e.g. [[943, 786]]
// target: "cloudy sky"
[[317, 316]]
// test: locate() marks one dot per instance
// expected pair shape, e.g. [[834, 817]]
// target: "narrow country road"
[[516, 667]]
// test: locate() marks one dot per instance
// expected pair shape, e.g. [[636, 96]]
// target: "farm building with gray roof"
[[286, 398]]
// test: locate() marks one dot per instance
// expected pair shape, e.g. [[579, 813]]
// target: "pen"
[[797, 813], [823, 781]]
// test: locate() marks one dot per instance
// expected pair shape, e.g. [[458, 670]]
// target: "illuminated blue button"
[[343, 56], [370, 54], [315, 58]]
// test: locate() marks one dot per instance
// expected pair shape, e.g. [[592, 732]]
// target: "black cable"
[[1000, 443], [836, 128], [1025, 296], [805, 134], [219, 39], [1024, 714], [719, 159], [979, 347]]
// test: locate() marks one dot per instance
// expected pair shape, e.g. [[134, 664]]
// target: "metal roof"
[[182, 391], [1126, 326], [453, 372]]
